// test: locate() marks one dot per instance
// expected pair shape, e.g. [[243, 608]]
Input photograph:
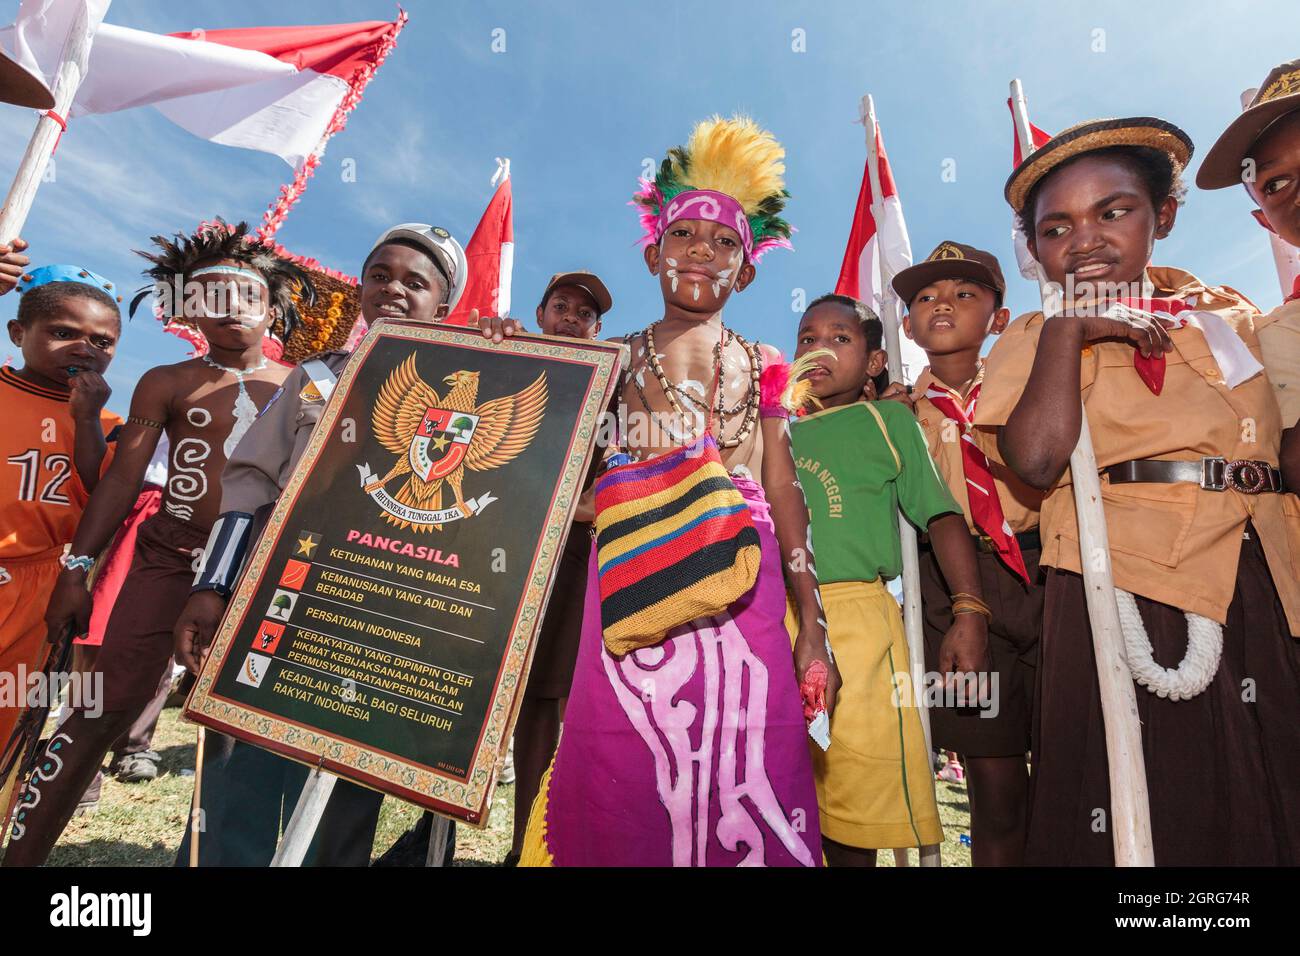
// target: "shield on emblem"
[[439, 445]]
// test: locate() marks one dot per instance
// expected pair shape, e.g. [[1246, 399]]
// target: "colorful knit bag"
[[674, 542]]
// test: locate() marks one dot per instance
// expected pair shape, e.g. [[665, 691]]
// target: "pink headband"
[[706, 204]]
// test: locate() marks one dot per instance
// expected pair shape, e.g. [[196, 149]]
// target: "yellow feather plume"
[[737, 157], [798, 390]]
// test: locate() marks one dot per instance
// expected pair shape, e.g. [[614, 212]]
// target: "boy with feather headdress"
[[692, 750], [232, 289]]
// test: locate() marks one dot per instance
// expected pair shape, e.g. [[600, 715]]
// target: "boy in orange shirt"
[[56, 447]]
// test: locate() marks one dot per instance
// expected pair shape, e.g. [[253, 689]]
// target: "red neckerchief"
[[985, 505], [1295, 291], [1151, 369]]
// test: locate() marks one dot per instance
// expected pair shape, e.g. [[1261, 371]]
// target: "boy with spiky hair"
[[416, 272], [233, 289]]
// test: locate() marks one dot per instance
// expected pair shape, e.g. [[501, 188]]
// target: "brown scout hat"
[[583, 280], [1094, 135], [950, 260], [1278, 95]]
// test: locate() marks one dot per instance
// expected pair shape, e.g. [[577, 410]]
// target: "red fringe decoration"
[[292, 192]]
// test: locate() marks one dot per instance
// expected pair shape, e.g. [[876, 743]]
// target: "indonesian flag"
[[280, 90], [1027, 264], [491, 255], [879, 250]]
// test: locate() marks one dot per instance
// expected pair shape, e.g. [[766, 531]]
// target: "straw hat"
[[1093, 135]]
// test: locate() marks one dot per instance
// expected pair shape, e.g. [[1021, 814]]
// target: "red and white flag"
[[280, 90], [490, 254], [875, 250], [1027, 264]]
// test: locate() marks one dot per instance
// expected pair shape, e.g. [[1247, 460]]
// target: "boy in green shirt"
[[858, 463]]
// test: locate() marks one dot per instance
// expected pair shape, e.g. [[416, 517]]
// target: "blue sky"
[[584, 92]]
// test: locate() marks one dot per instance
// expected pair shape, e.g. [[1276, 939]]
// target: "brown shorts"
[[138, 639], [557, 643], [1013, 645]]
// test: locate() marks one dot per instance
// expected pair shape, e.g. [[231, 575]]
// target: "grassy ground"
[[142, 824]]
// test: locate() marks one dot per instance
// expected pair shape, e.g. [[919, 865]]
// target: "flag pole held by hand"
[[72, 69], [1130, 810]]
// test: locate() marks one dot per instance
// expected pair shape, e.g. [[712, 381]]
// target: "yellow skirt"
[[875, 785]]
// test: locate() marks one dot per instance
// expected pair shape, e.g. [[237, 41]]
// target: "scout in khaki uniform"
[[1261, 150], [954, 302], [1202, 544], [413, 271]]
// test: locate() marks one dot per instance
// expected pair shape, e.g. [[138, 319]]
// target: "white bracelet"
[[76, 562]]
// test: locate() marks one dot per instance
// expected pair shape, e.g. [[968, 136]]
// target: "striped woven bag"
[[674, 542]]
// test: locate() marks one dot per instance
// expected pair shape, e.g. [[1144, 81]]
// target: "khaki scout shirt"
[[1020, 503], [262, 462], [1279, 341], [1175, 542]]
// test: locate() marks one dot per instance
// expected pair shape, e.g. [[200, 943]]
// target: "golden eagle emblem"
[[437, 438]]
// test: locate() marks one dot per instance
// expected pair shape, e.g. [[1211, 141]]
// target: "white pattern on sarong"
[[647, 684]]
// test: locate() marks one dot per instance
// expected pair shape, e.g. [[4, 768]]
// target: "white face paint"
[[671, 272]]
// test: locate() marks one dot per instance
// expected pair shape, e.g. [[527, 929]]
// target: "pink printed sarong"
[[693, 752]]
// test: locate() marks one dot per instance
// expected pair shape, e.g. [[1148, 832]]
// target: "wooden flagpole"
[[72, 68], [1130, 811], [196, 802], [890, 320], [305, 819]]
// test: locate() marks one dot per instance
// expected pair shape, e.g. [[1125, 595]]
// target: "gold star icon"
[[440, 443], [306, 546]]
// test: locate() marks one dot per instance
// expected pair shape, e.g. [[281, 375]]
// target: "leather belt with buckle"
[[1244, 475], [1028, 541]]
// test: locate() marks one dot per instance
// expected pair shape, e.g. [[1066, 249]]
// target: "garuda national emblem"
[[437, 438]]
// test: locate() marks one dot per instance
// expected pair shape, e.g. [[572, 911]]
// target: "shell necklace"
[[245, 409]]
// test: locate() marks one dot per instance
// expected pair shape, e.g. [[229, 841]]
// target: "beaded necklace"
[[749, 404]]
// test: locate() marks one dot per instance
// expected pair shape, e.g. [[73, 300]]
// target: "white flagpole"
[[72, 68], [1130, 810], [1286, 257], [890, 319]]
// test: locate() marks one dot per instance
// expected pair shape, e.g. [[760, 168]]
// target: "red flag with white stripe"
[[279, 90], [274, 89], [491, 255], [1024, 260], [875, 249]]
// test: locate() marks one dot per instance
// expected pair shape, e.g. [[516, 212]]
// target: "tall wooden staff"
[[1130, 811], [890, 320], [72, 68]]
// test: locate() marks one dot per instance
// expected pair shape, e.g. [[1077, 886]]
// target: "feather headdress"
[[287, 282], [723, 159]]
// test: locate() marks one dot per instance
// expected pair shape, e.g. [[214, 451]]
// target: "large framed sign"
[[384, 624]]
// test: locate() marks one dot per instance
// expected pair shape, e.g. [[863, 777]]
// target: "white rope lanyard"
[[1198, 666]]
